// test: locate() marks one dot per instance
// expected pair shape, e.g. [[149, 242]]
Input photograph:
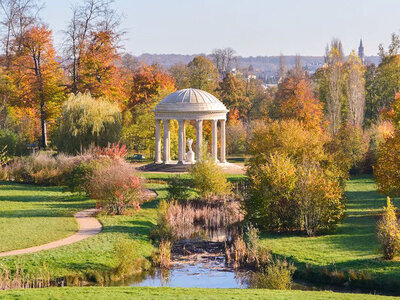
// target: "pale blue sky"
[[251, 27]]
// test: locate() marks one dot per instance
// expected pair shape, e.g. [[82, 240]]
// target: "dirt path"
[[88, 226]]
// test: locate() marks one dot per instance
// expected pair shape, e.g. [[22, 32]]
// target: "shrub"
[[277, 275], [115, 187], [177, 189], [208, 178], [128, 262], [13, 143], [42, 168], [319, 199], [271, 203], [78, 179], [389, 232], [86, 121]]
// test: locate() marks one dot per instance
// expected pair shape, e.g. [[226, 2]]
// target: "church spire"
[[361, 52]]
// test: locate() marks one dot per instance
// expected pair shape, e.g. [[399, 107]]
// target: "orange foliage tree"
[[100, 74], [37, 77], [388, 157], [295, 100], [147, 83]]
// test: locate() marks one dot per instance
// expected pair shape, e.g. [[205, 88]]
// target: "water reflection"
[[198, 271]]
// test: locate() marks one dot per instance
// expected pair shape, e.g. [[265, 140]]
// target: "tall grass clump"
[[18, 278], [389, 232], [162, 257], [42, 168]]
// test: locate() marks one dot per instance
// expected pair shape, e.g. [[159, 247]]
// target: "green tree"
[[86, 121], [384, 81], [203, 74]]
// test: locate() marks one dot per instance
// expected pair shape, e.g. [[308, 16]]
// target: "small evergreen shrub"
[[177, 189]]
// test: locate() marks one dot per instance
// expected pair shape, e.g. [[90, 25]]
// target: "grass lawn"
[[31, 215], [353, 246], [175, 293], [166, 176], [95, 253]]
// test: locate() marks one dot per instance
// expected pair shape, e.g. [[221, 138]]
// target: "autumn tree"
[[88, 19], [335, 84], [231, 91], [147, 83], [147, 87], [295, 100], [17, 17], [355, 90], [388, 156], [37, 76], [293, 180], [99, 72]]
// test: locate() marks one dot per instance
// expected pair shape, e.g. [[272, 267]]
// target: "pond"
[[196, 271]]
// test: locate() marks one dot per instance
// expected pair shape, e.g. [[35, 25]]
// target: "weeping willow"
[[86, 121]]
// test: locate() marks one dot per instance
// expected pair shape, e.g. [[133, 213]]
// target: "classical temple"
[[185, 105]]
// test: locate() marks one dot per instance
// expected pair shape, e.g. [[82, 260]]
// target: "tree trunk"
[[43, 124]]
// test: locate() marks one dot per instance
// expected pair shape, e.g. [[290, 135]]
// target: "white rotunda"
[[185, 105]]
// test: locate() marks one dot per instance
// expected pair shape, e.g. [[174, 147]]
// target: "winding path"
[[88, 226]]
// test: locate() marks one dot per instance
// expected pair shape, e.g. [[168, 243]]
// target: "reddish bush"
[[116, 188], [114, 151]]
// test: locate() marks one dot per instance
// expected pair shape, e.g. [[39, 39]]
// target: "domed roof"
[[190, 100]]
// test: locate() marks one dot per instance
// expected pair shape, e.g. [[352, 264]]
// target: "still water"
[[196, 271]]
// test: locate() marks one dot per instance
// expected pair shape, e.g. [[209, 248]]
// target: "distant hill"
[[265, 67]]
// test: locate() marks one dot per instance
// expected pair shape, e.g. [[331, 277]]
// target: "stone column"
[[214, 142], [223, 142], [181, 141], [166, 142], [199, 138], [158, 143], [184, 140]]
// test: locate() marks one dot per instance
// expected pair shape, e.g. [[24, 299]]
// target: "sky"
[[250, 27]]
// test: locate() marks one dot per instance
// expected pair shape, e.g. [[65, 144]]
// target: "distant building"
[[361, 52]]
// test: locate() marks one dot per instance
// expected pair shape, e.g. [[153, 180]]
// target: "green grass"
[[31, 215], [96, 253], [166, 176], [175, 293], [353, 246]]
